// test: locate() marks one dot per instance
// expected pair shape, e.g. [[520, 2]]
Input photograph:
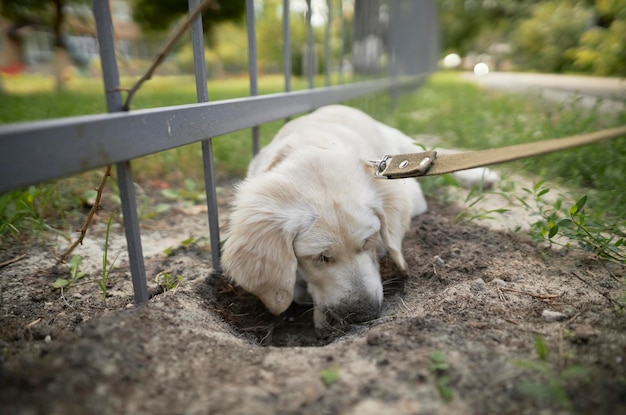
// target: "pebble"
[[438, 261], [47, 339], [374, 339], [478, 284], [549, 315]]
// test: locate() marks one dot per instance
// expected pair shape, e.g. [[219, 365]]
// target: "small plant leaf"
[[188, 241], [445, 391], [438, 362], [566, 223], [61, 282], [580, 204], [170, 193], [554, 229], [162, 207], [329, 376], [543, 192], [76, 261]]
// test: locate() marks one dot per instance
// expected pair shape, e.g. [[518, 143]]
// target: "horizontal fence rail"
[[393, 40], [67, 146]]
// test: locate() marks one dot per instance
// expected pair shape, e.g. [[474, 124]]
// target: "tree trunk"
[[60, 53]]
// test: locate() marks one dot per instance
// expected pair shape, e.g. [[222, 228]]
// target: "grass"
[[460, 113]]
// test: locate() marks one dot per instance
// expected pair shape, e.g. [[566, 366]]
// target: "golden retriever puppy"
[[310, 222]]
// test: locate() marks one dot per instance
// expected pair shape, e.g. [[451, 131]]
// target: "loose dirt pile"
[[457, 334]]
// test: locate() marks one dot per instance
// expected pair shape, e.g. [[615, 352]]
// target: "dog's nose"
[[362, 313]]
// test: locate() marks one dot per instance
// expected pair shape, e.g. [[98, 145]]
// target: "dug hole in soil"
[[457, 333]]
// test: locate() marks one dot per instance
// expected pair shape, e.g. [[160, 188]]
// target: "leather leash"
[[428, 163]]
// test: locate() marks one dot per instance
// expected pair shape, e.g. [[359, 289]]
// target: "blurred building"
[[28, 44]]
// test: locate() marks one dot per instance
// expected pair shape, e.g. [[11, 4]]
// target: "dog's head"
[[326, 217]]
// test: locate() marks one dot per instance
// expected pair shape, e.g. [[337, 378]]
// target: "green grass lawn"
[[460, 113]]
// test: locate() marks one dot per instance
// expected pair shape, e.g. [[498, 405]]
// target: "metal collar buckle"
[[402, 166]]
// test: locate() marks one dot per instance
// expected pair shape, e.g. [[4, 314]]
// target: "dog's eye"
[[324, 258], [367, 243]]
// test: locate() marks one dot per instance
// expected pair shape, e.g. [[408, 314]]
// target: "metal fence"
[[396, 41]]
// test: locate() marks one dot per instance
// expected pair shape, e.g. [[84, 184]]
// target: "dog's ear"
[[258, 254]]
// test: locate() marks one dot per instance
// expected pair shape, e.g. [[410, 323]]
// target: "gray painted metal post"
[[342, 33], [104, 28], [286, 46], [329, 4], [202, 92], [394, 45], [310, 53], [252, 67]]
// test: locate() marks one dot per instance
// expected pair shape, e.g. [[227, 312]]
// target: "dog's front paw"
[[475, 177]]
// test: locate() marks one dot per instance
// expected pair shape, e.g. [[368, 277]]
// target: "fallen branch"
[[166, 50], [92, 212]]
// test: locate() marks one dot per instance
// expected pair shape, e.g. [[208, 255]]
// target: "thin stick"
[[540, 296], [92, 212], [166, 50], [11, 261]]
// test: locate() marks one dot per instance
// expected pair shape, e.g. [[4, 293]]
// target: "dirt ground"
[[457, 334]]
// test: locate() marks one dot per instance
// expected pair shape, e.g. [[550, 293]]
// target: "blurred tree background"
[[586, 36], [548, 36]]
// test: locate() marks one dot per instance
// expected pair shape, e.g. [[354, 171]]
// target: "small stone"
[[478, 284], [47, 339], [374, 339], [549, 315], [438, 261]]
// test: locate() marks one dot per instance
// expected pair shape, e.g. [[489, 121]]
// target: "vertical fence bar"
[[394, 50], [342, 34], [310, 52], [286, 46], [111, 76], [252, 67], [202, 92], [329, 4], [197, 44]]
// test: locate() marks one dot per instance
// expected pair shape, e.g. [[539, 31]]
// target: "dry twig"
[[540, 296], [11, 261], [92, 212]]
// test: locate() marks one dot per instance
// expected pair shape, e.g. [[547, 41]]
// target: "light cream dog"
[[310, 222]]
